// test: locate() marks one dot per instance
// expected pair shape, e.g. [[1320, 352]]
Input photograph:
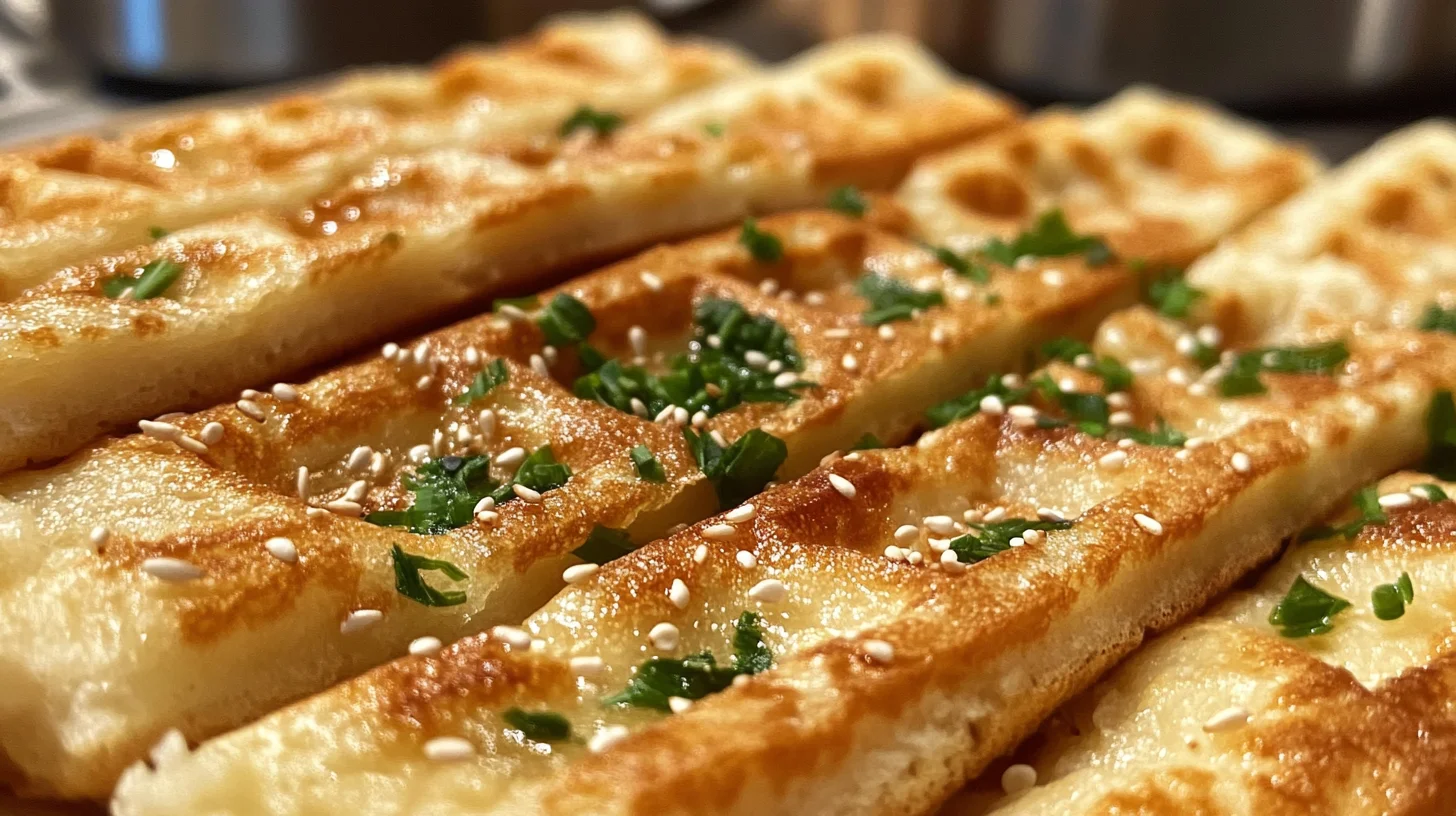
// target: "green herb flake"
[[1115, 376], [647, 466], [410, 583], [1438, 319], [566, 320], [764, 246], [604, 545], [540, 472], [751, 654], [1090, 412], [154, 280], [602, 122], [117, 285], [1172, 295], [891, 299], [867, 442], [1049, 237], [741, 470], [1242, 378], [696, 676], [969, 403], [538, 726], [446, 491], [157, 233], [1432, 492], [960, 264], [486, 379], [848, 200], [995, 537], [1162, 435], [1306, 610], [1389, 600], [1367, 502], [715, 129]]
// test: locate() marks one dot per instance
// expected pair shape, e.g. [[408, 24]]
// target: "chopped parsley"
[[708, 379], [1163, 435], [1389, 600], [1049, 237], [603, 122], [696, 676], [156, 277], [1437, 319], [1115, 376], [447, 489], [486, 379], [410, 583], [848, 200], [995, 537], [538, 726], [1242, 378], [604, 545], [1306, 610], [157, 233], [959, 264], [1172, 295], [891, 299], [1367, 501], [714, 129], [1441, 433], [764, 246], [867, 442], [1089, 412], [739, 471], [1432, 492], [566, 320], [969, 403], [647, 467]]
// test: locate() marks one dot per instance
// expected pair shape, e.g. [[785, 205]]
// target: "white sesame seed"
[[516, 638], [1114, 460], [421, 353], [755, 358], [1227, 720], [1018, 778], [165, 431], [1179, 377], [849, 362], [424, 382], [995, 514], [718, 438], [389, 350], [700, 554], [1121, 418], [187, 443], [1031, 537], [485, 422], [951, 562], [1119, 400], [1017, 541], [357, 491], [714, 341], [1053, 277], [250, 394], [211, 433], [940, 525], [1183, 455], [914, 557], [1067, 384], [938, 545], [1186, 344], [1195, 441], [886, 331], [1209, 335], [448, 749], [1125, 443], [843, 485], [316, 512], [487, 503], [992, 404], [907, 533], [99, 536], [938, 336], [700, 419], [651, 281], [538, 365], [679, 704], [359, 458], [1396, 500], [587, 666], [282, 549], [664, 637], [719, 531], [665, 414], [1148, 523], [285, 392], [173, 570], [437, 442], [637, 338], [419, 454], [879, 651], [344, 507], [836, 333], [785, 380], [612, 734], [971, 516], [769, 590], [578, 573], [815, 298], [549, 354], [768, 286], [464, 435], [359, 620], [1423, 491], [678, 593], [511, 458], [1022, 411], [526, 494], [487, 517], [1045, 514], [472, 356], [639, 407], [894, 553], [1198, 389], [1241, 462], [427, 645], [679, 416], [741, 513]]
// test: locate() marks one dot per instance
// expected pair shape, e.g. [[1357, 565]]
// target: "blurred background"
[[1337, 73]]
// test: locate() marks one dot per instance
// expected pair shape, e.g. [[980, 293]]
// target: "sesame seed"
[[995, 514], [426, 645], [165, 431], [894, 553], [578, 573], [907, 533], [359, 458], [359, 620], [700, 554], [511, 458], [173, 570], [746, 559], [487, 517], [679, 416], [714, 341], [487, 503], [472, 356], [971, 516], [1121, 418], [700, 419], [1067, 384], [485, 421], [282, 549], [285, 392], [357, 491], [526, 494], [992, 404], [1198, 389], [886, 331], [514, 637], [1422, 491], [664, 637], [914, 557], [538, 365], [938, 545], [879, 651], [344, 507], [849, 362], [679, 704], [740, 514], [769, 590], [211, 433], [437, 442], [665, 414], [1031, 537], [755, 358], [99, 536], [1241, 462], [421, 353], [1053, 277], [549, 353], [815, 298], [389, 350], [1195, 441], [651, 281], [719, 531], [938, 336], [940, 525], [1178, 376], [1227, 720], [187, 443], [1125, 443], [612, 734], [419, 454], [1186, 344], [448, 749], [637, 338], [1017, 541], [1183, 455], [464, 435], [1396, 500], [1148, 523], [1022, 412], [424, 382], [951, 562], [768, 286], [1114, 460], [1045, 514], [316, 512], [1018, 778], [843, 485], [678, 593], [587, 666], [718, 438], [1119, 400], [785, 380], [1209, 335], [836, 333]]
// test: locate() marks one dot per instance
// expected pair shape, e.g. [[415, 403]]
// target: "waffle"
[[1223, 715], [259, 296], [66, 202], [1160, 178]]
